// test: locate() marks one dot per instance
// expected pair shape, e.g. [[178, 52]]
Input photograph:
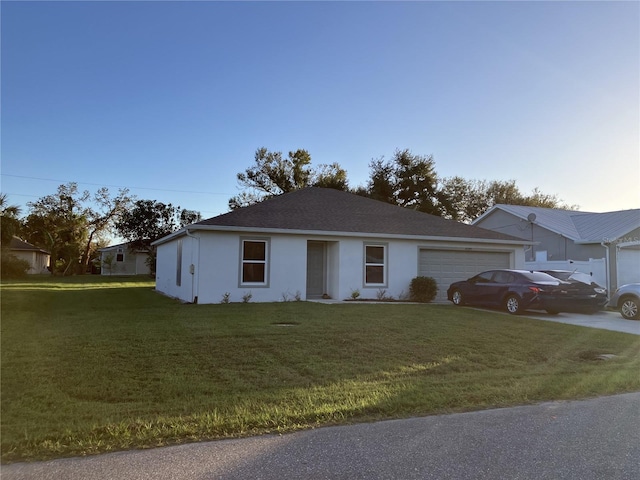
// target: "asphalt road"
[[583, 440]]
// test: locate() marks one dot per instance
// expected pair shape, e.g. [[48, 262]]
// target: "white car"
[[627, 299]]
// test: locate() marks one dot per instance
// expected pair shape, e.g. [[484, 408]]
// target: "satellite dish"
[[531, 217]]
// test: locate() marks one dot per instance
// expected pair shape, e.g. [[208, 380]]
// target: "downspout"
[[607, 270], [195, 283]]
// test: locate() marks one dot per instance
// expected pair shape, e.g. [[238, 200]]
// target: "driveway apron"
[[606, 320]]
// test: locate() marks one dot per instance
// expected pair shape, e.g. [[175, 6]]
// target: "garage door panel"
[[448, 266]]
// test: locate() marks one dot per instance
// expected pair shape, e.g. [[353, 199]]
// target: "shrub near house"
[[423, 289], [12, 266]]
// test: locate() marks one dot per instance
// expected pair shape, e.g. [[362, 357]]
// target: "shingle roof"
[[329, 210], [17, 244], [585, 227]]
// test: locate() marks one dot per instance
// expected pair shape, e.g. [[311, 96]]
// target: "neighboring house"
[[604, 244], [37, 258], [123, 259], [319, 242]]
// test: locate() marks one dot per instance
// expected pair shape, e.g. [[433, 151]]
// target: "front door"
[[315, 269]]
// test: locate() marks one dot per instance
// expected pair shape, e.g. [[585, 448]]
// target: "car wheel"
[[456, 298], [512, 304], [629, 308]]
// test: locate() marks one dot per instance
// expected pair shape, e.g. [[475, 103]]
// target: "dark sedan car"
[[595, 295], [518, 290]]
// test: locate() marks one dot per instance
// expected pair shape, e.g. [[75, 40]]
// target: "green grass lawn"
[[96, 364]]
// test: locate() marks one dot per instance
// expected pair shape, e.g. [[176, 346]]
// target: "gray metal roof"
[[584, 227], [329, 210]]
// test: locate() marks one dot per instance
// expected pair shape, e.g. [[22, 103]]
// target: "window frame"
[[384, 264], [266, 262], [120, 254]]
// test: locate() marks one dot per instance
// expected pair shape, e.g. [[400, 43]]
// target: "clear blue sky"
[[175, 97]]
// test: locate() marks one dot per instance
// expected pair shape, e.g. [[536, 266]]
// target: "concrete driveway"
[[607, 320], [580, 440]]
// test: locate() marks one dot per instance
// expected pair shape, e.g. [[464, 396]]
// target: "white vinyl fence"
[[595, 267]]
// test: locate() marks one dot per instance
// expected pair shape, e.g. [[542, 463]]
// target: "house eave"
[[325, 233], [36, 250]]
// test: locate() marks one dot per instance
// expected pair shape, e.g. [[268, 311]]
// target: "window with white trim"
[[375, 260], [120, 254], [254, 262]]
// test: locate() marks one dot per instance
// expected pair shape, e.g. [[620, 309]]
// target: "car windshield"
[[581, 277], [539, 277], [560, 275], [569, 276]]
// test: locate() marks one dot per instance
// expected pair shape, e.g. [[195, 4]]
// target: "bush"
[[12, 266], [423, 289]]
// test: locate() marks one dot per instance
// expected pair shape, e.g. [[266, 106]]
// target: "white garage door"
[[448, 266]]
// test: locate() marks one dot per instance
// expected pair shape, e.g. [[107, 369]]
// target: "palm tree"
[[9, 221]]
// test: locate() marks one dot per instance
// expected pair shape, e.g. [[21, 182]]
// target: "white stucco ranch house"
[[319, 242], [37, 258]]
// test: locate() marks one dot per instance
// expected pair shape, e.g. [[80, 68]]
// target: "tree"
[[102, 219], [149, 220], [272, 175], [330, 176], [70, 222], [468, 199], [59, 224], [109, 263], [407, 180], [10, 224], [187, 217]]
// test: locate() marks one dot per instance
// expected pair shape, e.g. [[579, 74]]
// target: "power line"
[[21, 195], [36, 196], [113, 186]]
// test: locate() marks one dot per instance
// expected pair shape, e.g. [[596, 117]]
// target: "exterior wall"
[[38, 261], [556, 246], [183, 286], [134, 263], [628, 263], [141, 264], [216, 260], [402, 263], [625, 258], [220, 265]]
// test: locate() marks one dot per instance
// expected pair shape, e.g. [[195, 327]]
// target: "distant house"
[[604, 244], [37, 258], [124, 259], [318, 242]]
